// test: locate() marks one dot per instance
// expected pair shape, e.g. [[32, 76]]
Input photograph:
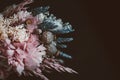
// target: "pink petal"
[[10, 52], [19, 69]]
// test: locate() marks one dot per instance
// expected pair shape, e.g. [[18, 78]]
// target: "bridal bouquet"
[[29, 42]]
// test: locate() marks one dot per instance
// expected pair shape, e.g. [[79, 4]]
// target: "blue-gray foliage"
[[63, 40], [56, 26], [39, 10], [61, 45], [62, 54]]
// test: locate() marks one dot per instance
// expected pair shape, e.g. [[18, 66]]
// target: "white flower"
[[18, 33], [22, 15], [40, 17]]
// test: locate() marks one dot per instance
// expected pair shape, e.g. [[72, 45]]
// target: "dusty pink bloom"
[[24, 56], [16, 8], [31, 23]]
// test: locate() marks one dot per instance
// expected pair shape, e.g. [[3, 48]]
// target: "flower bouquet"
[[29, 43]]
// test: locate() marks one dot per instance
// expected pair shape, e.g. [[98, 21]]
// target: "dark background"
[[94, 48]]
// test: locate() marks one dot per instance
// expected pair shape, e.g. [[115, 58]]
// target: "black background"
[[94, 47]]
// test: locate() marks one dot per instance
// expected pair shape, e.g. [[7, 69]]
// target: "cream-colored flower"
[[22, 15], [17, 33]]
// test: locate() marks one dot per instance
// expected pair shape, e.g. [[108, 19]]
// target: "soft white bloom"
[[18, 33], [22, 15], [40, 17]]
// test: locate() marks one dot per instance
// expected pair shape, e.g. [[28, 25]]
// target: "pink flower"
[[31, 23], [24, 56]]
